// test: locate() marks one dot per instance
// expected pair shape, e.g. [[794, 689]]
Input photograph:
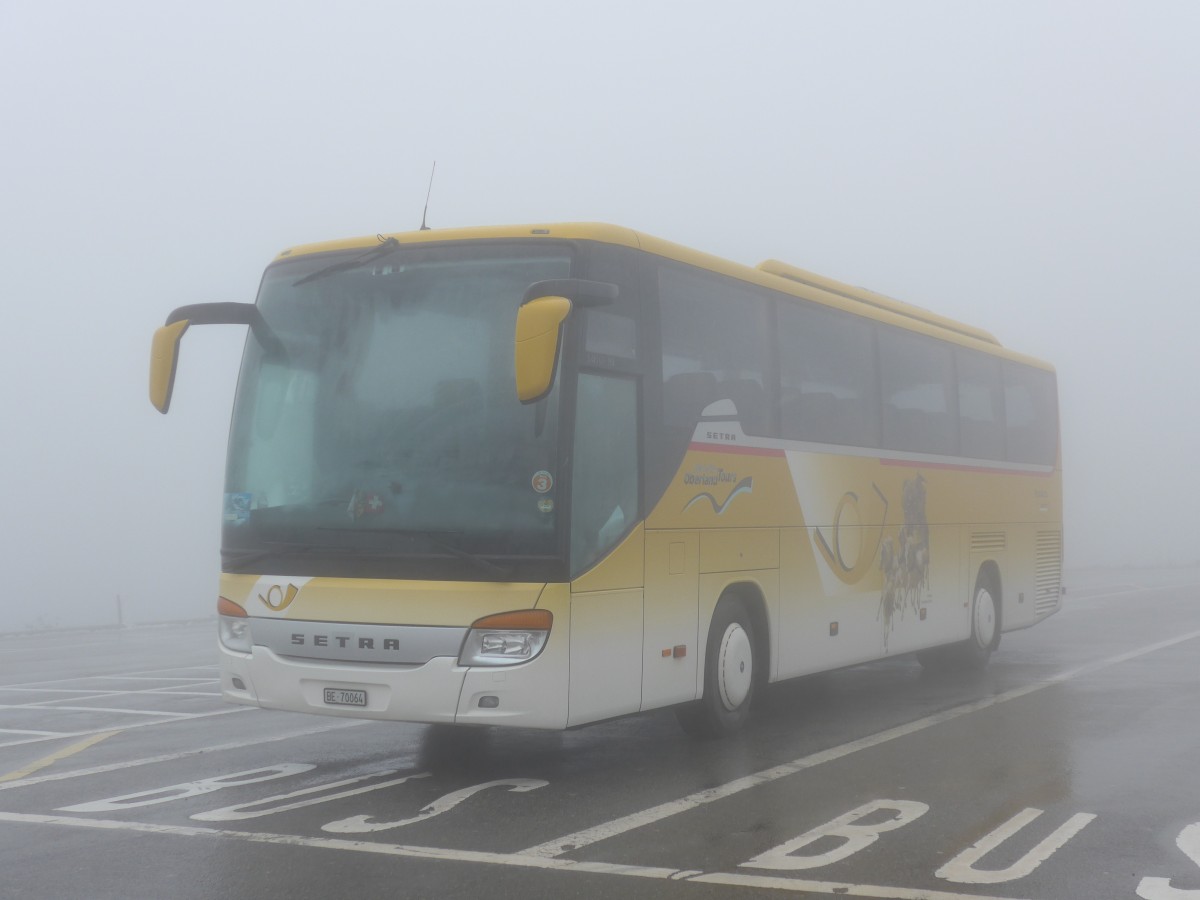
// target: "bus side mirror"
[[164, 357], [537, 345], [164, 350]]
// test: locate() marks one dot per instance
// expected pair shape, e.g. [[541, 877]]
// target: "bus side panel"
[[924, 608], [820, 630], [671, 619], [606, 655], [606, 634], [1018, 578]]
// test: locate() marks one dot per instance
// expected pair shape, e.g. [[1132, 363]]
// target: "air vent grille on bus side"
[[1049, 571], [988, 541]]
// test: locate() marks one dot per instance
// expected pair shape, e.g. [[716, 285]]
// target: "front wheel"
[[729, 676]]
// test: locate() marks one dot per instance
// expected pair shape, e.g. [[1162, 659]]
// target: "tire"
[[985, 625], [729, 674], [973, 653]]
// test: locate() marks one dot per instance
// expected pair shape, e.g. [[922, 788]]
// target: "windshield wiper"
[[386, 246]]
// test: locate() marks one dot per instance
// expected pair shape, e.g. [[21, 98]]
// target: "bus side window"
[[604, 492], [1031, 414]]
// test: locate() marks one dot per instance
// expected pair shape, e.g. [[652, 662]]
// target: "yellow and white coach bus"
[[544, 476]]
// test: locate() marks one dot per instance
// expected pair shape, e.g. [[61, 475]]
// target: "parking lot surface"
[[1066, 770]]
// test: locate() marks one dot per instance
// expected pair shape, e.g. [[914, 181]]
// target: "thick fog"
[[1030, 168]]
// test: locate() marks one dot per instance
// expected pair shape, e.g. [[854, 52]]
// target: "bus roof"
[[770, 273]]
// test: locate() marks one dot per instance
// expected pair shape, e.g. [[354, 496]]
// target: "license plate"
[[341, 697]]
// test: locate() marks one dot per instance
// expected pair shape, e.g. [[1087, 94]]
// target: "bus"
[[544, 476]]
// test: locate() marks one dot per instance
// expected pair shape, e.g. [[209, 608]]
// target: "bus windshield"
[[379, 427]]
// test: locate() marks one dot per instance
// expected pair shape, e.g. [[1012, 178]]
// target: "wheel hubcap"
[[985, 618], [735, 668]]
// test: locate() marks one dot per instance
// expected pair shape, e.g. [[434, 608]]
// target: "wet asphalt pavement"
[[1069, 769]]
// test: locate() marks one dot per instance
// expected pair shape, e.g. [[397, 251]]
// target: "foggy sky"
[[1030, 168]]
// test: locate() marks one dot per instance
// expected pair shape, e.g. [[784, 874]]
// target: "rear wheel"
[[729, 676], [985, 627], [975, 651]]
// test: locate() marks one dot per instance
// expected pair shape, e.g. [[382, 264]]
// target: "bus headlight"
[[233, 626], [506, 639]]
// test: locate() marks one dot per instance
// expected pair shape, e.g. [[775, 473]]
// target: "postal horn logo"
[[277, 598], [715, 476]]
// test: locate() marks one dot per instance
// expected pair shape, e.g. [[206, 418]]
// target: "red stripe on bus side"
[[739, 449]]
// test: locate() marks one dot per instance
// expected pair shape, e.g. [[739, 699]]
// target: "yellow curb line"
[[55, 757]]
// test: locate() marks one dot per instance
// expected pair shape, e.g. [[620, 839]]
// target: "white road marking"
[[118, 676], [27, 731], [851, 836], [35, 690], [803, 886], [962, 869], [157, 692], [239, 810], [155, 796], [185, 754], [1160, 888], [143, 678], [110, 709], [97, 695], [879, 892], [606, 830], [363, 824], [68, 734]]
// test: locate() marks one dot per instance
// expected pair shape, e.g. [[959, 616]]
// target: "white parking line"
[[110, 709], [194, 751], [619, 826], [57, 690], [879, 892], [143, 678], [84, 733], [126, 675], [161, 691]]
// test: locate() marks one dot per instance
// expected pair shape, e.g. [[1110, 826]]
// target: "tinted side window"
[[604, 486], [1031, 409], [919, 395], [827, 377], [714, 347], [980, 405]]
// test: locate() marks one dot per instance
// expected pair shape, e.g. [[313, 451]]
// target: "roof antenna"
[[425, 227]]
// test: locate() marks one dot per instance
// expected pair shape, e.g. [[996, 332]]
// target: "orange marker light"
[[518, 620], [229, 608]]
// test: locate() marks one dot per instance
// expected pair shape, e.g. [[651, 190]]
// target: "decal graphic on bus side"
[[905, 559], [713, 475], [860, 541]]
